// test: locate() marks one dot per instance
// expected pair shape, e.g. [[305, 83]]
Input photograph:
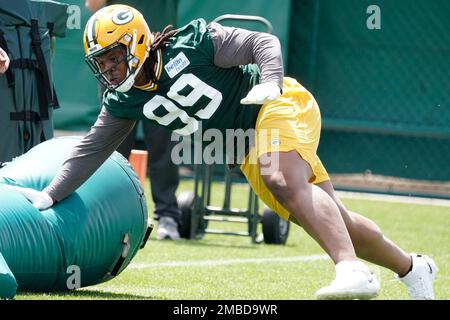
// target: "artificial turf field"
[[223, 267]]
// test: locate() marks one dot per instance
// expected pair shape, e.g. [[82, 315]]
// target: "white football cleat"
[[353, 280], [419, 280], [167, 229]]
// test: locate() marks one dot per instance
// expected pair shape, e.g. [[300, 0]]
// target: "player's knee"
[[276, 183], [365, 231], [279, 187], [374, 233], [362, 230]]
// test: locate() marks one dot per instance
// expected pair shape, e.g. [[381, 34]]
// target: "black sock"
[[409, 270]]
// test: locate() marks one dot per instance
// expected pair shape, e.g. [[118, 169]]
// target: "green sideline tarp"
[[384, 94], [26, 89]]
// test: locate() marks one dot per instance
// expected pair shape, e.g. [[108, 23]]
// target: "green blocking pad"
[[8, 284], [87, 238]]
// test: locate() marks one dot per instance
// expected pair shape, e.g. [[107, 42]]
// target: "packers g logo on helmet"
[[112, 26], [122, 17]]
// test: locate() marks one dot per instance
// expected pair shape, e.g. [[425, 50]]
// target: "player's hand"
[[4, 61], [262, 93], [40, 199]]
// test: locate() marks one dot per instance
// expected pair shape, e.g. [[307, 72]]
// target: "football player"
[[204, 75]]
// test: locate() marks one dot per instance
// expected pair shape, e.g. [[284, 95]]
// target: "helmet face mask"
[[113, 66], [116, 43]]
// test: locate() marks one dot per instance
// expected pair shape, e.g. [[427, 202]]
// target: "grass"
[[416, 228]]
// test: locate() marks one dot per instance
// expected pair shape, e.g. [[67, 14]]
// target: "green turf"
[[417, 228]]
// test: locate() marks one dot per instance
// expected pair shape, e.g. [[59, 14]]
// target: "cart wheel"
[[185, 202], [275, 229]]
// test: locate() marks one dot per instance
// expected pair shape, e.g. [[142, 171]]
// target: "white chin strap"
[[126, 85], [129, 82]]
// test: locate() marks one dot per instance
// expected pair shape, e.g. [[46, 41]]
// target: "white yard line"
[[392, 198], [214, 263]]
